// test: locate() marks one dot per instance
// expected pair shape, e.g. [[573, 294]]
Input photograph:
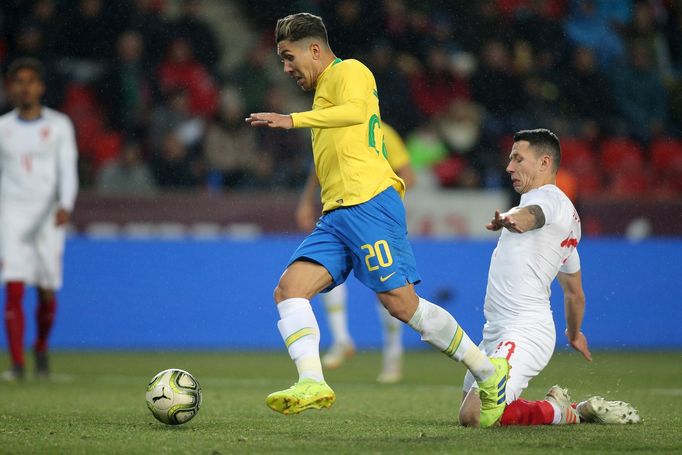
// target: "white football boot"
[[599, 410]]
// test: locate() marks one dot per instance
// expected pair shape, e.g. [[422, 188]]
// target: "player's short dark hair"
[[299, 26], [543, 141], [26, 63]]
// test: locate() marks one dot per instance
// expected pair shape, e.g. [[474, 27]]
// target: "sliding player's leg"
[[598, 410], [528, 352], [438, 328]]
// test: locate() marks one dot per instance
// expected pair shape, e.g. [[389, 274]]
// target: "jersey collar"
[[324, 72]]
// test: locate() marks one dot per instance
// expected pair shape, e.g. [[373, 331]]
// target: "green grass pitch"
[[95, 404]]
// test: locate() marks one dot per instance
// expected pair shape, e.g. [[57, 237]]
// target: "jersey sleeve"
[[352, 88], [67, 166], [572, 263], [547, 201]]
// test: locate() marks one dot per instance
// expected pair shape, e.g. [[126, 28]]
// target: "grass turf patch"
[[95, 404]]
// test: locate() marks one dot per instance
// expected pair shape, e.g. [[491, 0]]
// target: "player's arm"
[[353, 112], [352, 89], [67, 174], [518, 219], [306, 211], [407, 174], [574, 306]]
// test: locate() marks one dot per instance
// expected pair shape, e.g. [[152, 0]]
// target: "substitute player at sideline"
[[539, 242], [335, 301], [38, 187], [363, 223]]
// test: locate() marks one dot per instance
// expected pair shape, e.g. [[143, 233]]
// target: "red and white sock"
[[14, 321], [523, 412], [45, 313]]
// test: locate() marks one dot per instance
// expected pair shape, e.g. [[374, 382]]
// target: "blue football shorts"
[[369, 238]]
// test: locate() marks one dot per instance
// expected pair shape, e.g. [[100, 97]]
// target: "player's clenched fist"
[[271, 120]]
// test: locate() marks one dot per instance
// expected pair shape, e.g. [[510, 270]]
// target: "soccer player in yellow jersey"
[[362, 227], [335, 301]]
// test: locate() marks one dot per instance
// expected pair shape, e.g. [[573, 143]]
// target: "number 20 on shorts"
[[381, 252]]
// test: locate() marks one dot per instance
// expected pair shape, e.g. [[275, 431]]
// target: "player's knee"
[[469, 417], [279, 294], [399, 305], [284, 291], [399, 312], [513, 415]]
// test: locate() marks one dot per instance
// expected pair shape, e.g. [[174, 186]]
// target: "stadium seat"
[[88, 131], [79, 100], [575, 152], [665, 153], [589, 182], [630, 185], [621, 155], [107, 148]]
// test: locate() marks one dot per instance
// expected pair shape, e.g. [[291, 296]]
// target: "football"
[[174, 396]]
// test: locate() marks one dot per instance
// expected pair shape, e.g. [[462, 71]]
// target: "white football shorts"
[[527, 348], [32, 246]]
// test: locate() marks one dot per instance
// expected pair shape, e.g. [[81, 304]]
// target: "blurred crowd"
[[154, 108]]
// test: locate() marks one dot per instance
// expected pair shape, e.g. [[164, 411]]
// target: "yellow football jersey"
[[348, 142], [398, 156]]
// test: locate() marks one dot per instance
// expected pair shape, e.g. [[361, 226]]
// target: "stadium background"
[[185, 218]]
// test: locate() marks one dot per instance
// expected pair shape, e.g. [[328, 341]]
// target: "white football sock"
[[392, 333], [557, 413], [438, 328], [337, 317], [301, 335]]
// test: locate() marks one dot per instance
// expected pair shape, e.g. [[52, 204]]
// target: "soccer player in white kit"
[[38, 187], [538, 243]]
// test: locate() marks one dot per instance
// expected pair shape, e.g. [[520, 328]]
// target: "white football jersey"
[[38, 160], [523, 266]]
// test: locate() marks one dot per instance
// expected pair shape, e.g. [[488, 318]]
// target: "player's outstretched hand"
[[495, 224], [501, 220], [579, 343], [270, 120]]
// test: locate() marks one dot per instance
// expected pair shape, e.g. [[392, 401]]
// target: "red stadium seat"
[[88, 130], [630, 185], [79, 100], [621, 155], [589, 183], [576, 153], [665, 153], [108, 146]]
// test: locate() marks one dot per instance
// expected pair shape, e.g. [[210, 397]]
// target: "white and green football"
[[174, 396]]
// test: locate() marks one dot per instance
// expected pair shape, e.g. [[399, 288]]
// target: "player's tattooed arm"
[[518, 219], [538, 215]]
